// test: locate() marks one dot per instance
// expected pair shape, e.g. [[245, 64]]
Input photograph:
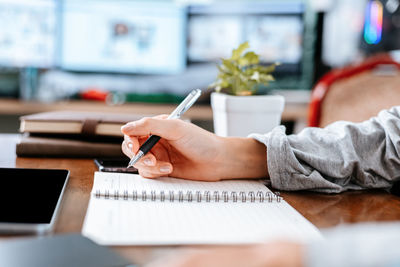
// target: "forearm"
[[242, 158], [340, 157]]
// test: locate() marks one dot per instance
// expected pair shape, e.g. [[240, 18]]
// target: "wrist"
[[242, 158]]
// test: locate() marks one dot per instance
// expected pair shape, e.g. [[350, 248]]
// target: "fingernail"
[[130, 145], [165, 169], [148, 162]]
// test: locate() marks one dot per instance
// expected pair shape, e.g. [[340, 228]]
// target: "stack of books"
[[72, 134]]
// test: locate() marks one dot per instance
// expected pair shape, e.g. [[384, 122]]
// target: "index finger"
[[168, 129]]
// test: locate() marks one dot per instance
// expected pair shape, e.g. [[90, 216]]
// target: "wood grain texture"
[[323, 210], [327, 210]]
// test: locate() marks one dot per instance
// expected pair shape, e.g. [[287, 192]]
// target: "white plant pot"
[[243, 115]]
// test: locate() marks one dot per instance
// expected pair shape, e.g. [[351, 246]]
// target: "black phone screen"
[[114, 165], [30, 195]]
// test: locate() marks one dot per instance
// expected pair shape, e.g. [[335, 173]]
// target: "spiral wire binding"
[[190, 196]]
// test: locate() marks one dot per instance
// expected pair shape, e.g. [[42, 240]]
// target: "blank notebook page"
[[136, 222]]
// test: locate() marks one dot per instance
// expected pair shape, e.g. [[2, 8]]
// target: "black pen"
[[176, 114]]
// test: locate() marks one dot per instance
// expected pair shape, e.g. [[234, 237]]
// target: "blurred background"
[[157, 51]]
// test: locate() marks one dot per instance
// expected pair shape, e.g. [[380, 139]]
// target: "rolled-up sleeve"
[[336, 158]]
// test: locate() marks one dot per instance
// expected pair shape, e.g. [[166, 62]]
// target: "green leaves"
[[236, 53], [241, 74], [250, 58]]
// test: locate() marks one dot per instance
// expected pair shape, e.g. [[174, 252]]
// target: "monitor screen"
[[123, 36], [27, 33], [274, 30]]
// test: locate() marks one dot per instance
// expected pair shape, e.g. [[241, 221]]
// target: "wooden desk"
[[321, 209]]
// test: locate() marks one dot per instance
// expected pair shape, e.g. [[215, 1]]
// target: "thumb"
[[167, 129]]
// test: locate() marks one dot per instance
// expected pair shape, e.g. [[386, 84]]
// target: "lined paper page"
[[120, 183], [126, 222]]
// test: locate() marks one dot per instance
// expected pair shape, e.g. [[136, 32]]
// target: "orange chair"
[[355, 93]]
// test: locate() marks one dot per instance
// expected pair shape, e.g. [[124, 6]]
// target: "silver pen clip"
[[185, 105]]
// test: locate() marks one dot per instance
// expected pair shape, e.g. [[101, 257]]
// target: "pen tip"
[[135, 159]]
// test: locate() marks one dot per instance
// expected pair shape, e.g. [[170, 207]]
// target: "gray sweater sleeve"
[[342, 156]]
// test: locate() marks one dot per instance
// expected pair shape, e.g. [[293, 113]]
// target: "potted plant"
[[237, 110]]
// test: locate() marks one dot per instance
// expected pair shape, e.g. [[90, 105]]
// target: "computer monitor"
[[274, 30], [27, 33], [123, 36]]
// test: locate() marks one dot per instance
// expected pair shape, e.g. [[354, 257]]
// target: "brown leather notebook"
[[76, 123], [39, 146]]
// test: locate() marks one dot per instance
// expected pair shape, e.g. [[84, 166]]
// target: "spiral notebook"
[[126, 209]]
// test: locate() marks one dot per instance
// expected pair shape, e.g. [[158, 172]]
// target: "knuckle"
[[161, 116], [145, 121], [178, 125], [164, 116]]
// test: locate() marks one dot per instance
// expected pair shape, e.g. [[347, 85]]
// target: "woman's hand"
[[188, 151], [277, 254]]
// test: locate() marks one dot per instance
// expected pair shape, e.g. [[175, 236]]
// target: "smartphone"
[[114, 165], [30, 199]]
